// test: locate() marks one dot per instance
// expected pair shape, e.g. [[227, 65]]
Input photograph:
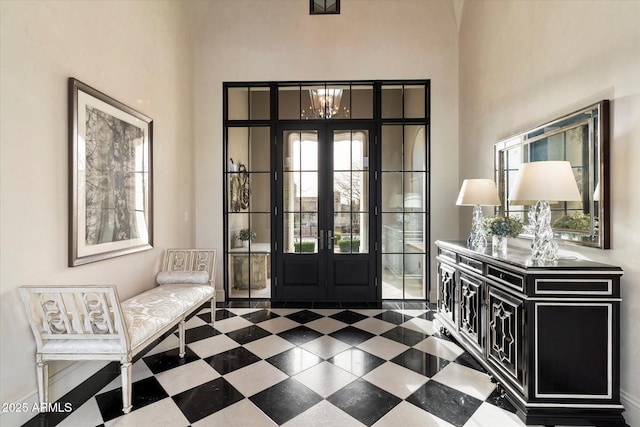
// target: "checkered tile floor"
[[304, 367]]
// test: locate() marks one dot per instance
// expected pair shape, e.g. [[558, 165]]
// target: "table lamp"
[[478, 192], [544, 182]]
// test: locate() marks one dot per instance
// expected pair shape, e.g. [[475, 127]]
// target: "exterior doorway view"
[[327, 190]]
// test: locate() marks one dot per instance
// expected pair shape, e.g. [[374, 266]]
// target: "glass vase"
[[499, 246]]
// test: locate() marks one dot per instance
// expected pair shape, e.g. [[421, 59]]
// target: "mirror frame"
[[596, 117]]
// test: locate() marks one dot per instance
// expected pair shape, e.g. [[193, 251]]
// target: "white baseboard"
[[631, 405], [60, 384]]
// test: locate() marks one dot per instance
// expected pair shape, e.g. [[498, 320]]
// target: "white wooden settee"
[[90, 323]]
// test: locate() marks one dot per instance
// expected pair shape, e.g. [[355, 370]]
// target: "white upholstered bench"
[[90, 323]]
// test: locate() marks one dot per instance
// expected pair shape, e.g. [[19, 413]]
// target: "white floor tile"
[[232, 324], [241, 414], [325, 378], [86, 415], [325, 346], [326, 325], [396, 379], [420, 325], [256, 377], [409, 415], [467, 380], [278, 325], [324, 414], [214, 345], [163, 413], [383, 347], [439, 347], [268, 346], [169, 343], [375, 326], [187, 376], [139, 371], [194, 322], [490, 415]]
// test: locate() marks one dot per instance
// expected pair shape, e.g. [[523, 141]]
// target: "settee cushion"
[[182, 277], [151, 311]]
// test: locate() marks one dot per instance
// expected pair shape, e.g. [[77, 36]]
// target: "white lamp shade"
[[552, 181], [479, 191]]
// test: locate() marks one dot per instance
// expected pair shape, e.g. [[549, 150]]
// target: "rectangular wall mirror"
[[582, 138]]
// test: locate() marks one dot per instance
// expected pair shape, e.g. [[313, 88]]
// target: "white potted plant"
[[245, 235]]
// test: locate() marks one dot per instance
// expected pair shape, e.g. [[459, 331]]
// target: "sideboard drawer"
[[470, 263], [511, 279]]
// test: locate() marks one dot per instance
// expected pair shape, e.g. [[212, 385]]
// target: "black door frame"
[[273, 121]]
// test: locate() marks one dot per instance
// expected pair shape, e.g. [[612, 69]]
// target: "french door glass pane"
[[300, 191], [350, 189]]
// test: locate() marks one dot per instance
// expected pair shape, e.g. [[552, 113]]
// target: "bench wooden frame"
[[89, 322]]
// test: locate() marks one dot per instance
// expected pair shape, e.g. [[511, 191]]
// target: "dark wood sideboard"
[[549, 334]]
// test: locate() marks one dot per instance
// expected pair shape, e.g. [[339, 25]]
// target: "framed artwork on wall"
[[110, 176]]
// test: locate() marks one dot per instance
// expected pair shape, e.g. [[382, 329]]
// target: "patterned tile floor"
[[303, 367]]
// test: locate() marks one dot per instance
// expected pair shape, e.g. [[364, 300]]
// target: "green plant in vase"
[[245, 235], [500, 227]]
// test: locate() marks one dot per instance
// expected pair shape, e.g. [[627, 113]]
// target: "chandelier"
[[325, 103]]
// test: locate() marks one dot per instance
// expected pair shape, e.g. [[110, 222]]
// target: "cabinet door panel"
[[505, 333], [446, 291], [471, 309]]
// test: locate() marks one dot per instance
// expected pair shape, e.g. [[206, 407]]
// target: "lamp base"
[[543, 247], [477, 240]]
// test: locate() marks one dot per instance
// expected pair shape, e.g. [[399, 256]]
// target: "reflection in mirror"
[[582, 139]]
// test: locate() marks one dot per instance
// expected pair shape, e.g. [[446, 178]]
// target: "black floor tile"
[[294, 360], [248, 334], [420, 362], [260, 316], [199, 333], [356, 361], [170, 359], [206, 399], [231, 360], [393, 317], [364, 401], [348, 316], [300, 335], [468, 360], [405, 336], [429, 315], [285, 400], [351, 335], [220, 315], [144, 392], [445, 402], [304, 316]]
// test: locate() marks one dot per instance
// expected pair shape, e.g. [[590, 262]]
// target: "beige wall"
[[279, 40], [138, 53], [524, 63]]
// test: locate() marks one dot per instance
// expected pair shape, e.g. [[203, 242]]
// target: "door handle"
[[320, 239], [330, 238]]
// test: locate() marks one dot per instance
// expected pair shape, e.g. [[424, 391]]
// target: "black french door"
[[326, 191]]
